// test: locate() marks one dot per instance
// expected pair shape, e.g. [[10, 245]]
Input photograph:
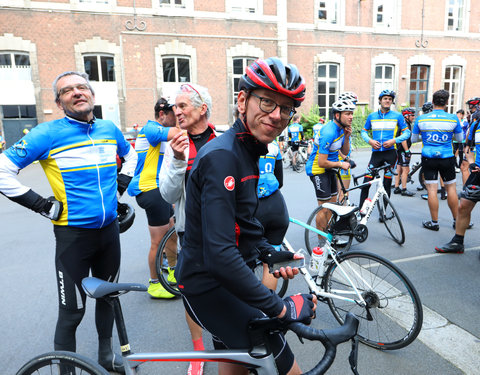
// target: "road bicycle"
[[370, 286], [417, 166], [301, 159], [344, 228], [259, 359], [167, 255]]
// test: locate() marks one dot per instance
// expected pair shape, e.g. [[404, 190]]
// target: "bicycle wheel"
[[286, 159], [390, 218], [393, 316], [61, 363], [341, 240], [282, 284], [166, 259]]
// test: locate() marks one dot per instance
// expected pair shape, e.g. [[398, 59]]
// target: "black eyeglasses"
[[268, 106]]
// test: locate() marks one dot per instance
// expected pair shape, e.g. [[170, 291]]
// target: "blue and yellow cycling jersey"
[[384, 127], [437, 129], [474, 135], [268, 183], [79, 160], [329, 141], [295, 131], [316, 129], [150, 147]]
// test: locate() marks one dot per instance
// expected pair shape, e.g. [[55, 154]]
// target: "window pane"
[[322, 70], [388, 72], [10, 111], [332, 87], [321, 101], [378, 72], [447, 73], [322, 87], [235, 84], [22, 60], [30, 111], [322, 14], [456, 73], [184, 70], [333, 71], [5, 59], [168, 70], [446, 86], [423, 72], [237, 66], [379, 18], [322, 112], [97, 111], [91, 67], [108, 71], [422, 85], [331, 100], [413, 85]]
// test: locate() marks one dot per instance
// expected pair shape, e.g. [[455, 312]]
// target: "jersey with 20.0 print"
[[268, 183], [474, 137], [437, 129], [295, 131], [150, 147], [79, 160], [329, 141], [384, 127]]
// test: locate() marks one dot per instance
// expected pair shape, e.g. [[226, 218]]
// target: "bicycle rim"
[[312, 239], [282, 284], [394, 304], [166, 258], [391, 220], [61, 363]]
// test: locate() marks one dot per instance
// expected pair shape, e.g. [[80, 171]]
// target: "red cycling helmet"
[[408, 111], [473, 101], [273, 74]]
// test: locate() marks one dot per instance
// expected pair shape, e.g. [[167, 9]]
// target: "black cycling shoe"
[[397, 190], [107, 359], [451, 247], [429, 225], [407, 193]]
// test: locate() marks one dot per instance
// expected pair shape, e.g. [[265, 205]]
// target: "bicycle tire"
[[421, 178], [390, 218], [394, 303], [312, 239], [282, 284], [61, 363], [286, 159], [163, 261]]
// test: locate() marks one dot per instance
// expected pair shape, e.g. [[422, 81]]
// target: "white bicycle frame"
[[380, 192]]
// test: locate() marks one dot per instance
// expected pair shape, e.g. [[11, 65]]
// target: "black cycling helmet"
[[408, 111], [390, 93], [349, 95], [125, 215], [273, 74], [427, 107], [343, 106], [475, 101]]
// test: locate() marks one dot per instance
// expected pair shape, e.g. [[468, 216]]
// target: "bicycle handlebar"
[[329, 338], [374, 172]]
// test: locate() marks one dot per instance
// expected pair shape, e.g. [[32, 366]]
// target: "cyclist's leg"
[[325, 185], [447, 174], [430, 172], [375, 161], [390, 156], [346, 178]]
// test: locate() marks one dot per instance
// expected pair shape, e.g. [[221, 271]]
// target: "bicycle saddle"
[[97, 288], [341, 210]]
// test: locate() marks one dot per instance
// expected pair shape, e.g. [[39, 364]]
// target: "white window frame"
[[328, 80], [454, 98], [176, 58], [329, 57], [171, 4], [99, 65], [459, 15], [331, 7], [246, 61], [244, 7], [383, 83], [384, 58], [391, 15]]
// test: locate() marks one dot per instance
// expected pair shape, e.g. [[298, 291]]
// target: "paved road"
[[447, 284]]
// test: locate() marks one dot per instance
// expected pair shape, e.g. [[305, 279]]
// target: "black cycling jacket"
[[222, 234]]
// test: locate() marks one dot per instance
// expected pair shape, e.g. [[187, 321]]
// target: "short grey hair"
[[198, 95], [69, 73]]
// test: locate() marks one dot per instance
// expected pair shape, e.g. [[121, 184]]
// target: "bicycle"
[[344, 227], [301, 157], [370, 286], [417, 166], [167, 258], [258, 358]]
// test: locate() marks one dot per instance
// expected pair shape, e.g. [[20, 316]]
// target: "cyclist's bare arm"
[[323, 162]]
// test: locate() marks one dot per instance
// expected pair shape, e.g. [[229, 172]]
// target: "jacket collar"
[[254, 147]]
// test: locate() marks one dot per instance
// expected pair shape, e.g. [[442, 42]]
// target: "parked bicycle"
[[370, 286], [258, 358], [166, 259], [345, 227], [301, 157], [417, 166]]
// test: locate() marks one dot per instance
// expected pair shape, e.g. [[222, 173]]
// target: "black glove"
[[272, 257], [352, 163], [49, 207], [299, 309], [408, 154], [52, 209], [472, 166], [122, 181]]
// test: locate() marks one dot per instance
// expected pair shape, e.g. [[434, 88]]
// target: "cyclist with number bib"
[[222, 236], [78, 156], [383, 125], [334, 137], [150, 146], [437, 129], [403, 156]]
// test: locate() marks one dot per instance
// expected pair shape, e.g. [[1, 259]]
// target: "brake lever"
[[353, 357]]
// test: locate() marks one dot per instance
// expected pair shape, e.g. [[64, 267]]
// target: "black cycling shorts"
[[402, 159], [272, 213], [325, 185], [294, 145], [473, 179], [432, 167], [157, 209], [457, 146], [226, 317]]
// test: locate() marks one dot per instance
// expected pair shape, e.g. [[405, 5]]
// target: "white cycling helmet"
[[343, 106], [349, 95]]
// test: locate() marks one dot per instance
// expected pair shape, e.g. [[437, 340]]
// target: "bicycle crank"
[[360, 233]]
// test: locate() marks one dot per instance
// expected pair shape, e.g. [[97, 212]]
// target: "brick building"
[[135, 51]]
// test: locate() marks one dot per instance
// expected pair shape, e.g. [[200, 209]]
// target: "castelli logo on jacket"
[[229, 183]]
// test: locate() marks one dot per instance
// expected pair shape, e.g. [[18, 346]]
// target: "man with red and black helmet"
[[223, 237], [404, 155]]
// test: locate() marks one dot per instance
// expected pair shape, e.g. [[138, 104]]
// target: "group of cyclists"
[[223, 192]]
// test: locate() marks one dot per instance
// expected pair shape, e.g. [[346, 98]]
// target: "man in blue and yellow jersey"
[[333, 137], [78, 155], [436, 130], [150, 146], [295, 135], [383, 124]]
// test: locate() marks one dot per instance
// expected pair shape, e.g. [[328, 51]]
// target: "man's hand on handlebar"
[[299, 308], [344, 165]]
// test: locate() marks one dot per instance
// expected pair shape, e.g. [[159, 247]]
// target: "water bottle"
[[366, 206], [317, 260]]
